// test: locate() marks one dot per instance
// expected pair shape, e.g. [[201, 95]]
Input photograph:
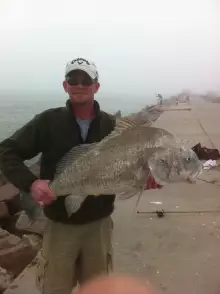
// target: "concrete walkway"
[[180, 252]]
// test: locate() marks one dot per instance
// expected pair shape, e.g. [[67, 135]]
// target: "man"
[[160, 99], [78, 248]]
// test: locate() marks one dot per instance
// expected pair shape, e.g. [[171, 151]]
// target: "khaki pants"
[[73, 253]]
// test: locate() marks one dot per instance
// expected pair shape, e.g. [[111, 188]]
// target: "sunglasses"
[[76, 80]]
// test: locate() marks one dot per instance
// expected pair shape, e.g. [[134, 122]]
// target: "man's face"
[[80, 87]]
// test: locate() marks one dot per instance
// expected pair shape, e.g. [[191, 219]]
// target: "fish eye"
[[188, 158]]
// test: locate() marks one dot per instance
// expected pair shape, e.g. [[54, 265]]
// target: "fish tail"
[[31, 208], [73, 203], [34, 225]]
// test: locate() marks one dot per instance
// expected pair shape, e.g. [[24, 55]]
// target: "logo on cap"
[[80, 61]]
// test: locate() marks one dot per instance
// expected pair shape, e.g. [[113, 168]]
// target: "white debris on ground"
[[209, 164]]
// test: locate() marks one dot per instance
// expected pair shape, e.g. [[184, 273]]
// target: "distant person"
[[78, 248], [160, 98]]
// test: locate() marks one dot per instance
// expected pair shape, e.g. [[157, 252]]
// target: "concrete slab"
[[173, 108], [180, 252], [207, 114], [184, 125]]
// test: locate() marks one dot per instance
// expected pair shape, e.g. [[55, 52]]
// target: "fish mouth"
[[190, 177], [182, 177], [194, 175]]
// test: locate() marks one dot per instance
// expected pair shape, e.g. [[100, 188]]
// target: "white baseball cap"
[[82, 64]]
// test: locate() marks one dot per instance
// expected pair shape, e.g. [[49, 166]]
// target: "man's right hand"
[[41, 192]]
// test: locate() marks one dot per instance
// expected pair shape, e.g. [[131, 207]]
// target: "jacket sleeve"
[[111, 123], [24, 144]]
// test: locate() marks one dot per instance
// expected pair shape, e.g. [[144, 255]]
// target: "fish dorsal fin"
[[141, 118], [122, 125], [72, 155], [78, 151]]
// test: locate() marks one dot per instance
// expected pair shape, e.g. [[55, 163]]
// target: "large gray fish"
[[121, 162], [33, 212]]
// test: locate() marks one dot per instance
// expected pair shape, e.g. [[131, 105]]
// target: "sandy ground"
[[180, 252]]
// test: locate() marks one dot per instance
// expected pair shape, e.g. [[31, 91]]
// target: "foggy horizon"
[[140, 49]]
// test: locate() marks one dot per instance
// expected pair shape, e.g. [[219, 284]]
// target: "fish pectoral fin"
[[127, 194], [73, 203], [122, 125]]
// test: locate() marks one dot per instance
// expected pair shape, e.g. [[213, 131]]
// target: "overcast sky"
[[140, 47]]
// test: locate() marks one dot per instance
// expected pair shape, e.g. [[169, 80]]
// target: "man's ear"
[[65, 86], [97, 86]]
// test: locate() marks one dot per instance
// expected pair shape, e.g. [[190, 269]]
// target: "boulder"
[[10, 204], [15, 252]]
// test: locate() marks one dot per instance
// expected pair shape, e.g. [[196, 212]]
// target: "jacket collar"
[[96, 107]]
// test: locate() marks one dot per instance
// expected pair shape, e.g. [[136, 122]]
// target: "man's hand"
[[41, 192], [151, 184]]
